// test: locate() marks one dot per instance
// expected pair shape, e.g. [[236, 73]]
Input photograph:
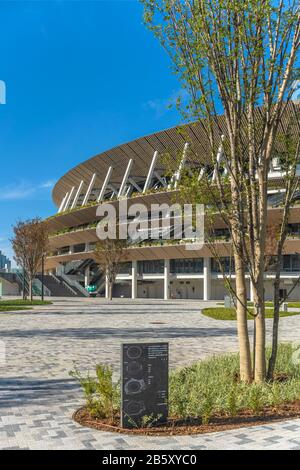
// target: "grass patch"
[[270, 304], [211, 387], [21, 302], [12, 308], [294, 304], [222, 313]]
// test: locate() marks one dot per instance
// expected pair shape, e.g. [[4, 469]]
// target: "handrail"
[[74, 283], [39, 285], [64, 283]]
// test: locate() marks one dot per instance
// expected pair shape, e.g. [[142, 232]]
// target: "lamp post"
[[43, 270]]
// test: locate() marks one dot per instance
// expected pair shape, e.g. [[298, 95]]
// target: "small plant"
[[256, 398], [101, 393], [206, 409], [151, 420], [232, 401]]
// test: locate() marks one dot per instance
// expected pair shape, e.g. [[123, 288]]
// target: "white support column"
[[206, 279], [134, 280], [251, 291], [87, 276], [150, 172], [104, 186], [75, 200], [88, 193], [65, 202], [71, 251], [62, 203], [177, 176], [69, 198], [218, 159], [167, 279], [125, 178], [201, 174], [106, 287]]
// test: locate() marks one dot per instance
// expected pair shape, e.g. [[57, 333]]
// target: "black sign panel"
[[145, 368]]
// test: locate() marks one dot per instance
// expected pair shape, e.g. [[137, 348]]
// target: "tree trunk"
[[30, 290], [272, 360], [242, 324], [110, 289], [260, 332]]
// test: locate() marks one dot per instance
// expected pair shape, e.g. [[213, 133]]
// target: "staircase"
[[98, 280], [58, 286], [22, 281], [75, 267]]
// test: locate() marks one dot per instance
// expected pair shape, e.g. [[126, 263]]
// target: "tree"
[[280, 232], [30, 243], [109, 253], [236, 58]]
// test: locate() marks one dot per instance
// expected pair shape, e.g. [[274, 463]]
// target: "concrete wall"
[[190, 289], [122, 290], [151, 289], [9, 288]]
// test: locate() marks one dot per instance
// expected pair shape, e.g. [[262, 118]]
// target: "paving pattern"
[[38, 397]]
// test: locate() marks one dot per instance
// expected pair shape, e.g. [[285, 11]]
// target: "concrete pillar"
[[89, 190], [75, 200], [71, 250], [206, 279], [134, 280], [69, 198], [106, 287], [125, 178], [251, 291], [63, 203], [87, 276], [167, 279]]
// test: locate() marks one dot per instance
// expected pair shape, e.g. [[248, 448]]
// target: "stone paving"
[[37, 396]]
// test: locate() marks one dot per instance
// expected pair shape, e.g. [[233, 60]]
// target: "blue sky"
[[81, 77]]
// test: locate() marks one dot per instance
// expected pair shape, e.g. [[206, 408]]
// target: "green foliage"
[[150, 421], [256, 398], [102, 395], [212, 387], [232, 401]]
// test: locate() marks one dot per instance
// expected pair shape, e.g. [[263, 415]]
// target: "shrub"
[[101, 393]]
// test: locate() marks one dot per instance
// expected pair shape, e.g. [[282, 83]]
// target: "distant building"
[[164, 267], [5, 263]]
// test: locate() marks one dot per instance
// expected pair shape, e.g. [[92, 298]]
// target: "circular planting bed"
[[195, 426]]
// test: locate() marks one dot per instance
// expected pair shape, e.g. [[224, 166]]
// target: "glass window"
[[125, 268], [151, 267], [186, 266], [227, 264]]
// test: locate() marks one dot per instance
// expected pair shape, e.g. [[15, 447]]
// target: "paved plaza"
[[37, 396]]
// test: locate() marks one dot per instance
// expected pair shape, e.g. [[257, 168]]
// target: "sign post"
[[144, 376]]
